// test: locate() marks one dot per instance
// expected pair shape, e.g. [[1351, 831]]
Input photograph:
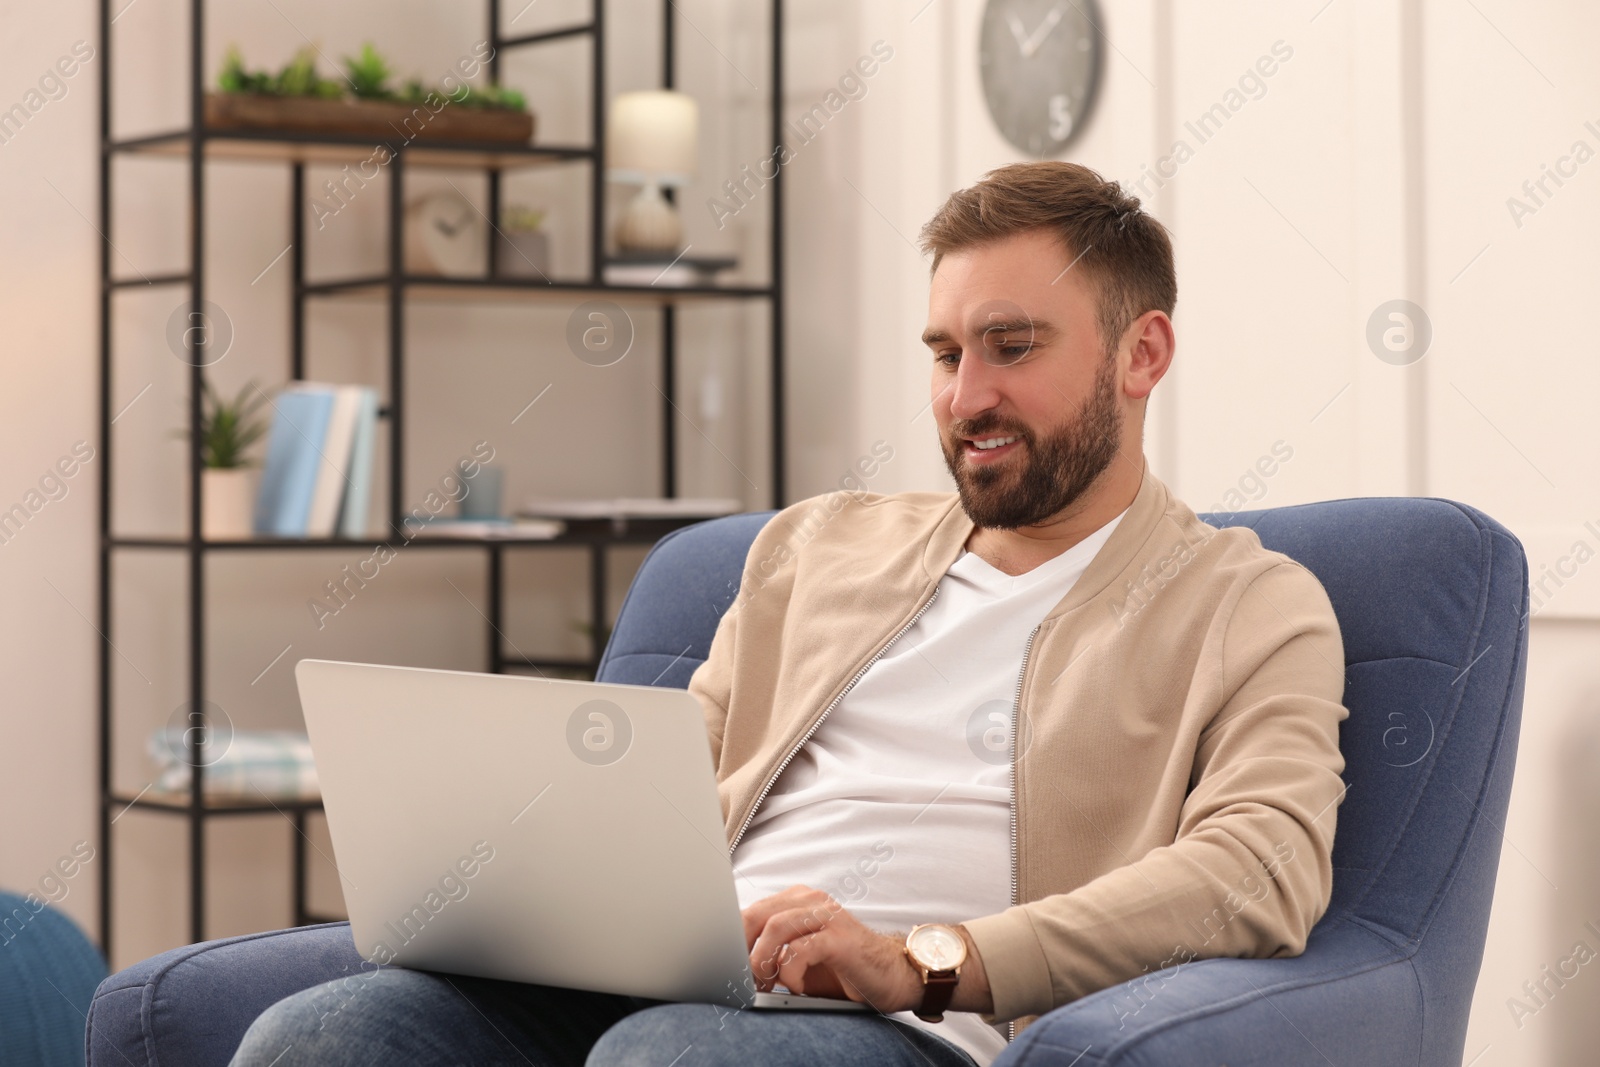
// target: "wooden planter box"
[[379, 119]]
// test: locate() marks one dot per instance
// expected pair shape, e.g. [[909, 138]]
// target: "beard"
[[1057, 469]]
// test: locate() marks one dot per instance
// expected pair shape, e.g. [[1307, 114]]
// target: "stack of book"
[[644, 516], [317, 478], [652, 268]]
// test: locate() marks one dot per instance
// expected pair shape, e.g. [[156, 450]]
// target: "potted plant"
[[524, 250], [227, 430], [298, 99]]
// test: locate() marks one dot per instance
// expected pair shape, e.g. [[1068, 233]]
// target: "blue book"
[[358, 492], [289, 475]]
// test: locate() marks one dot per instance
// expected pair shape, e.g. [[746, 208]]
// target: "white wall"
[[1375, 166], [47, 574]]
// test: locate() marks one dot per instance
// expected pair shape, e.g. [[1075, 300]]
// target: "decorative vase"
[[649, 224], [227, 500]]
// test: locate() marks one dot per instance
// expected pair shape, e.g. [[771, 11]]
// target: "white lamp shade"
[[653, 136]]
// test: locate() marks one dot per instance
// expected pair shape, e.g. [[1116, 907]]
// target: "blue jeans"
[[392, 1016]]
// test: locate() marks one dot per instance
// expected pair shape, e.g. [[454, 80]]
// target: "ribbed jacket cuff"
[[1014, 961]]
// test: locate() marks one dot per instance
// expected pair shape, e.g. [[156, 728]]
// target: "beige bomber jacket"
[[1175, 793]]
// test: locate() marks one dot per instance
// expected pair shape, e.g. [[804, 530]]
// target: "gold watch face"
[[937, 947]]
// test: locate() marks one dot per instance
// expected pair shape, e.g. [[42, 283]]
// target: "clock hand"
[[1040, 35], [1016, 31], [462, 221]]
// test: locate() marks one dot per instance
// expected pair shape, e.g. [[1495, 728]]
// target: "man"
[[979, 754]]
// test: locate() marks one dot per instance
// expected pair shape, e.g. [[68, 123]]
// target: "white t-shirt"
[[900, 804]]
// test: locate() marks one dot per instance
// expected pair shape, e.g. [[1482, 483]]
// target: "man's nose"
[[976, 387]]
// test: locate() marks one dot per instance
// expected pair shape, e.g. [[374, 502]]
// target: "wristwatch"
[[937, 952]]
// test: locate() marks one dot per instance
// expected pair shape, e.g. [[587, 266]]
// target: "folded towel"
[[277, 763]]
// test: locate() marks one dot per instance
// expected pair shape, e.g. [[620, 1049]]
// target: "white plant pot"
[[227, 501], [523, 254]]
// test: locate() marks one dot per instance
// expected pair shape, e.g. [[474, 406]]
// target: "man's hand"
[[807, 941]]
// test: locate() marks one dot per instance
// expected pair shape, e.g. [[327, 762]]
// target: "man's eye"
[[1002, 346], [947, 359], [1004, 354]]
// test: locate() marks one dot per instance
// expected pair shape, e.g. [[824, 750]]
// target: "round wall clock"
[[1040, 62]]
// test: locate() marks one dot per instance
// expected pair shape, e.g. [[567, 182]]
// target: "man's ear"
[[1151, 342]]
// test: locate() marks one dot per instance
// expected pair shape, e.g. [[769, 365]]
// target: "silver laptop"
[[535, 830]]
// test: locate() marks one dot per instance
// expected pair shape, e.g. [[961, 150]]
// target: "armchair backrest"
[[687, 580]]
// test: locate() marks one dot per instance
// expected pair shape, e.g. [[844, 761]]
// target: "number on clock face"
[[1040, 65]]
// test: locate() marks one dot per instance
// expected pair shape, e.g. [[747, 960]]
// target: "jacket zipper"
[[773, 780], [1016, 723]]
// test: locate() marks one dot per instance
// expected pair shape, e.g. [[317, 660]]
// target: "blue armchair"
[[1432, 601]]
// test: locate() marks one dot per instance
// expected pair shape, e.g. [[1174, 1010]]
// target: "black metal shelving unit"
[[196, 144]]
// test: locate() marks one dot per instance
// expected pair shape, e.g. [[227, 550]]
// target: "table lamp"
[[651, 140]]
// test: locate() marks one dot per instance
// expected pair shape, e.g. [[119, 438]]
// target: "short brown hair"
[[1123, 250]]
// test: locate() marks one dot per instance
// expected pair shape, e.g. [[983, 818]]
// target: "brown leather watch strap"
[[938, 988]]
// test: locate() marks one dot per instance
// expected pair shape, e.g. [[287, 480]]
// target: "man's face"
[[1017, 354]]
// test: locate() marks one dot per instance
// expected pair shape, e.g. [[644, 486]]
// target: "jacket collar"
[[1127, 541]]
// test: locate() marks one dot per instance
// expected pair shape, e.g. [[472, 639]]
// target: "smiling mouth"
[[985, 450]]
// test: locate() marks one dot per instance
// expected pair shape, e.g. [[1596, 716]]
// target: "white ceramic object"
[[649, 223], [445, 234], [227, 501]]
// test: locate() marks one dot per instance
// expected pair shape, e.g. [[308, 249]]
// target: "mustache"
[[987, 428]]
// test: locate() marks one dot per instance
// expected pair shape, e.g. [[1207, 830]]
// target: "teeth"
[[993, 442]]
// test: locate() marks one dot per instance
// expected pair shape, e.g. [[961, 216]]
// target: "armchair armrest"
[[1351, 997], [193, 1004]]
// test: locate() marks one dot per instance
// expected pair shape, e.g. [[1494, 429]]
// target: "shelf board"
[[560, 33], [438, 289], [149, 280], [579, 532], [277, 146], [328, 544], [175, 803]]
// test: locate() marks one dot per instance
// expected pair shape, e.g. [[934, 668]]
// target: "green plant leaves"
[[229, 428], [298, 77], [490, 96], [369, 74], [519, 219], [366, 78]]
